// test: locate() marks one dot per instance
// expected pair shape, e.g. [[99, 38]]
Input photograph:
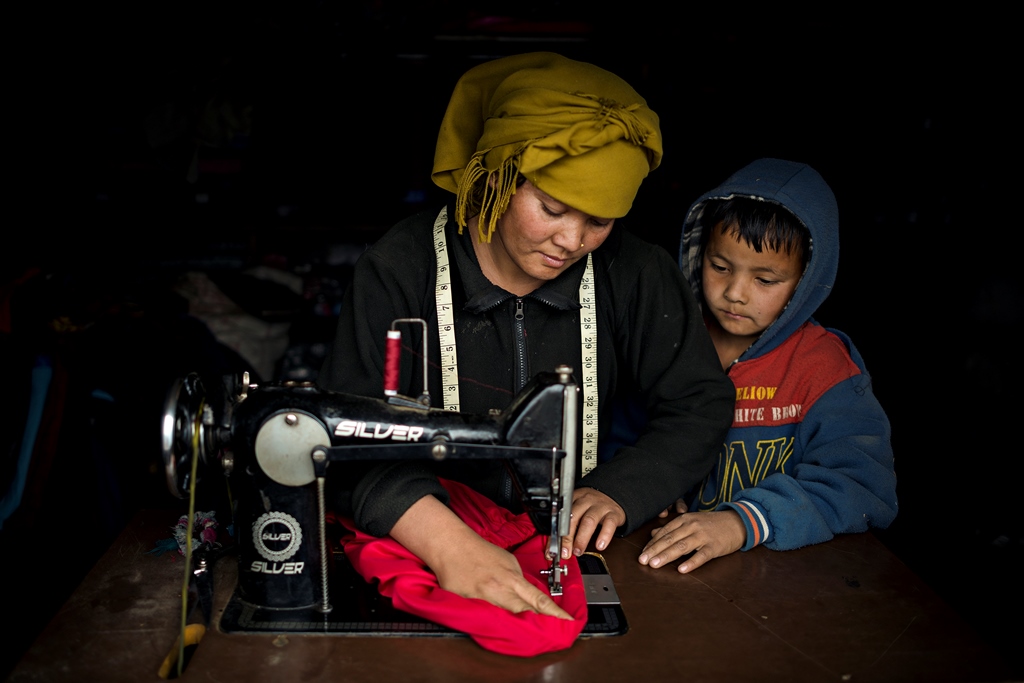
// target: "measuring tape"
[[449, 356], [588, 352], [445, 318]]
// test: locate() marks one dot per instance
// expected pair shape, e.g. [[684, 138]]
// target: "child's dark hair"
[[759, 223]]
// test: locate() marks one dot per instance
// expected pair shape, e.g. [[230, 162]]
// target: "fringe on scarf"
[[486, 193]]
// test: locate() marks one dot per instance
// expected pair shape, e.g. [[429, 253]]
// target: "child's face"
[[746, 291]]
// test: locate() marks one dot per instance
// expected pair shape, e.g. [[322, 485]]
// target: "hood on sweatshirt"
[[803, 192]]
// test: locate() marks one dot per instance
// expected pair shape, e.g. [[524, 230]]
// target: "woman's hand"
[[483, 570], [591, 510], [465, 563], [680, 507], [705, 534]]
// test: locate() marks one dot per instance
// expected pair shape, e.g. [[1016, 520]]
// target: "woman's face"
[[538, 237]]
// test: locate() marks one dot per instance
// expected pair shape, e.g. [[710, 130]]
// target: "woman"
[[542, 154]]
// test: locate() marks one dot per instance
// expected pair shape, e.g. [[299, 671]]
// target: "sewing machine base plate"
[[358, 609]]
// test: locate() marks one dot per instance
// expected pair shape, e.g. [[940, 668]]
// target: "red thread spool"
[[392, 362]]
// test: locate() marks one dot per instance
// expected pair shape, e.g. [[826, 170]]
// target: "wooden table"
[[847, 610]]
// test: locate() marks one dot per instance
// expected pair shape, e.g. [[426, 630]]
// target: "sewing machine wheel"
[[182, 417]]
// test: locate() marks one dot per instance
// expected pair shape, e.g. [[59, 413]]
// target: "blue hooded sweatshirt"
[[808, 455]]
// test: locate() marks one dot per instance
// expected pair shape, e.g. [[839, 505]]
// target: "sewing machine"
[[275, 443]]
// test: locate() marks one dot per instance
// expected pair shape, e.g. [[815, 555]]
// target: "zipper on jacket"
[[522, 366], [519, 339]]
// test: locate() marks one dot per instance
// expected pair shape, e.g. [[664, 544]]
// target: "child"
[[808, 455]]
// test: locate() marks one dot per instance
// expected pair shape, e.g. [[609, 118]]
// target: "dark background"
[[214, 138]]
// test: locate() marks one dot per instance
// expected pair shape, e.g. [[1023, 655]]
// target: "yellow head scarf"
[[579, 133]]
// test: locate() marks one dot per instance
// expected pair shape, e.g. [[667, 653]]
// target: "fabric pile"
[[413, 588]]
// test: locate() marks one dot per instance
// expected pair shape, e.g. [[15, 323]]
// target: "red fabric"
[[413, 588]]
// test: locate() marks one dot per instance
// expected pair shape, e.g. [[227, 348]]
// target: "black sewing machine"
[[275, 443]]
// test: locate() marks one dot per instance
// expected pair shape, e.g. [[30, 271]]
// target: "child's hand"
[[591, 510], [705, 534], [680, 507]]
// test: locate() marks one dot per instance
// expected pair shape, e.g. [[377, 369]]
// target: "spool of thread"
[[392, 362]]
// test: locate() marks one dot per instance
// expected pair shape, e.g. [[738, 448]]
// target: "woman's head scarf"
[[575, 131]]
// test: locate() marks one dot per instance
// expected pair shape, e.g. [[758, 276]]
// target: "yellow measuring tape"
[[449, 353]]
